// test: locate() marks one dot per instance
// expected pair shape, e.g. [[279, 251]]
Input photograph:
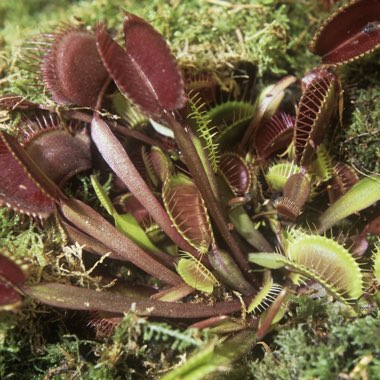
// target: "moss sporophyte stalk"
[[162, 198]]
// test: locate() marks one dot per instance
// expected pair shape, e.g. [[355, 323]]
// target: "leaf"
[[71, 69], [146, 71], [226, 269], [343, 178], [247, 229], [273, 314], [91, 223], [267, 259], [274, 135], [296, 193], [126, 223], [325, 261], [229, 119], [173, 294], [279, 172], [117, 158], [265, 296], [21, 181], [267, 105], [322, 166], [214, 357], [205, 130], [59, 152], [315, 109], [102, 195], [161, 129], [92, 245], [10, 275], [236, 173], [362, 195], [195, 274], [157, 164], [187, 211], [351, 32], [129, 226], [376, 262], [73, 297]]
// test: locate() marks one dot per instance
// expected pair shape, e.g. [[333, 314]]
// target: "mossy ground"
[[41, 343]]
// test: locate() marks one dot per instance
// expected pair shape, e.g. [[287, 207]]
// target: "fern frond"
[[163, 332]]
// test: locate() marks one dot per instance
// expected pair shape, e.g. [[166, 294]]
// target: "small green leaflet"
[[214, 357], [125, 223], [267, 260]]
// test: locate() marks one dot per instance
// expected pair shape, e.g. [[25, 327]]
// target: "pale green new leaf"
[[362, 195], [102, 195], [267, 259], [247, 229], [126, 223], [214, 357]]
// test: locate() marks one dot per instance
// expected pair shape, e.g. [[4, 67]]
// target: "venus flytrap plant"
[[320, 259], [135, 64], [236, 175]]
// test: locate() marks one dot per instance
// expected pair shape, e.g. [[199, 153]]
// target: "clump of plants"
[[209, 208]]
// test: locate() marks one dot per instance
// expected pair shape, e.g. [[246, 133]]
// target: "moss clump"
[[360, 139], [26, 241], [319, 342], [63, 353], [271, 34]]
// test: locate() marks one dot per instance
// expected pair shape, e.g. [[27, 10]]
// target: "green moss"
[[319, 341], [27, 242], [360, 138], [272, 34], [63, 354]]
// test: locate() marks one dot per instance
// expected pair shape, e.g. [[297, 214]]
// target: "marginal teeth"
[[358, 35]]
